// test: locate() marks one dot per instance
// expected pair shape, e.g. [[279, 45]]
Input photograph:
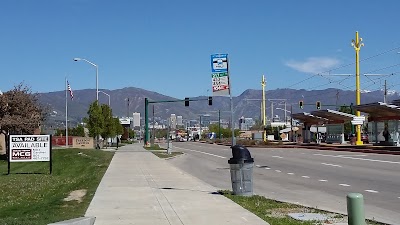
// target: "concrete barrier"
[[77, 221]]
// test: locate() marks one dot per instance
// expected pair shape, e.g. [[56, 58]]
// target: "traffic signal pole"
[[146, 114]]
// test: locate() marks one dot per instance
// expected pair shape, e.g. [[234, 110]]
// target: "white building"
[[136, 119], [179, 120], [173, 121]]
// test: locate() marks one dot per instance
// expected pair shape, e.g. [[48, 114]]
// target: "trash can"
[[241, 167]]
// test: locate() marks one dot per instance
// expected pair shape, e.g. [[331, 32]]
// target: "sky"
[[165, 46]]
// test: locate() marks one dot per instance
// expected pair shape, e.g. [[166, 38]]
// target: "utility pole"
[[385, 94], [291, 121], [263, 108], [199, 130], [357, 45], [152, 136], [219, 124], [285, 115], [127, 109], [337, 100], [272, 112]]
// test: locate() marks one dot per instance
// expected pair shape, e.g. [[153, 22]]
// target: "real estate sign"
[[29, 148]]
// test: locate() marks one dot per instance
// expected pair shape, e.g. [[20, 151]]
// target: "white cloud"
[[313, 65]]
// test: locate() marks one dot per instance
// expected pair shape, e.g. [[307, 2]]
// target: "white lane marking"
[[328, 164], [267, 168], [278, 171], [290, 173], [244, 219], [323, 180], [398, 197], [258, 165], [345, 185], [372, 191], [275, 156], [352, 155], [206, 153], [362, 159], [305, 177]]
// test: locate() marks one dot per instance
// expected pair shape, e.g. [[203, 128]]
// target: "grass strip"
[[165, 155], [275, 212], [154, 147], [37, 199], [269, 210]]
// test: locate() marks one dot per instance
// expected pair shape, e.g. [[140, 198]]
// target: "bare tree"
[[20, 111]]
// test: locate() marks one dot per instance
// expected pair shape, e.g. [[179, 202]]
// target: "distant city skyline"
[[166, 46]]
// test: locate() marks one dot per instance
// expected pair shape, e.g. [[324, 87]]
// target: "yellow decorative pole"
[[263, 108], [357, 45]]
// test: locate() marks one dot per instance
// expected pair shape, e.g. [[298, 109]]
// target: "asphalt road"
[[315, 178]]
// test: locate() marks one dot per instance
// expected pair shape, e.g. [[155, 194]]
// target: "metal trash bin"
[[241, 167]]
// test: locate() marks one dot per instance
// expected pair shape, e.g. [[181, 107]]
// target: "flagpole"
[[66, 112]]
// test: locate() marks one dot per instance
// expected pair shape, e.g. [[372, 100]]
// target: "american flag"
[[70, 91]]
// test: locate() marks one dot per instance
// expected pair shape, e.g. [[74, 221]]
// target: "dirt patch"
[[76, 195]]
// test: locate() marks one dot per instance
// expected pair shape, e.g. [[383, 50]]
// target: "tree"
[[20, 111], [225, 132], [108, 129], [79, 131], [95, 121], [131, 133], [119, 129]]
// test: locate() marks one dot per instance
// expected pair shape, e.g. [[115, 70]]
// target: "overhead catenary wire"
[[347, 65]]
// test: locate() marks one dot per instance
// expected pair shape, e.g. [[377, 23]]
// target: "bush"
[[247, 142]]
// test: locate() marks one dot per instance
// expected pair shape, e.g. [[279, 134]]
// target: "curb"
[[76, 221], [316, 147]]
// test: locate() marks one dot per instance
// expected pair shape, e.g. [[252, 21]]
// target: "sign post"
[[29, 148], [221, 84]]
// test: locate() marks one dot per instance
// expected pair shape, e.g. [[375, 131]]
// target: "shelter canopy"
[[333, 116], [309, 118], [379, 111]]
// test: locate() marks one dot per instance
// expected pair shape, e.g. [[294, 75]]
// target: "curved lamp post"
[[97, 74]]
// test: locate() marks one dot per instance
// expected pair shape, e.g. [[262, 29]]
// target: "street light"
[[109, 98], [97, 74]]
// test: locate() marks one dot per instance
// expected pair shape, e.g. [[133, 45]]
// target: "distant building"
[[173, 121], [193, 123], [136, 119], [179, 120], [205, 120], [246, 123]]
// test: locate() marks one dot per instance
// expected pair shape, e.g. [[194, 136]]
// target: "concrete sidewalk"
[[140, 188]]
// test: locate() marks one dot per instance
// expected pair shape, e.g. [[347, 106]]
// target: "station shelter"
[[335, 124], [308, 120], [331, 119], [381, 117]]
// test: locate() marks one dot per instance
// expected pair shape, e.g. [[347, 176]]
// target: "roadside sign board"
[[220, 75], [357, 122], [219, 63], [29, 148], [359, 118]]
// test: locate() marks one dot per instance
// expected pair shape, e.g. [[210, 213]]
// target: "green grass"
[[37, 199], [275, 212], [272, 211], [165, 155]]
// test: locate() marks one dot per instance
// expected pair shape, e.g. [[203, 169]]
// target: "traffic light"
[[301, 104], [186, 101], [210, 100], [318, 105]]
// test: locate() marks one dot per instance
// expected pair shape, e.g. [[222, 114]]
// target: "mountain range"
[[246, 104]]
